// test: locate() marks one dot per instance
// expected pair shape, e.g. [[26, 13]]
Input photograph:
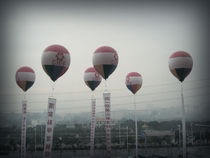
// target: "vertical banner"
[[92, 132], [49, 127], [108, 123], [23, 129]]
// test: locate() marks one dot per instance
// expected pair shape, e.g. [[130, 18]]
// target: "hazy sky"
[[144, 33]]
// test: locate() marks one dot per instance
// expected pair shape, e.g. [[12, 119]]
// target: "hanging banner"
[[108, 123], [23, 129], [49, 127], [92, 132]]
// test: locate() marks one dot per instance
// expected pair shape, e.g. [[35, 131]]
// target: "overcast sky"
[[144, 34]]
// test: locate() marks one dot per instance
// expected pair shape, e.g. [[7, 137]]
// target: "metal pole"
[[200, 134], [136, 129], [127, 139], [183, 124], [35, 140], [41, 134], [192, 132], [179, 137], [119, 134]]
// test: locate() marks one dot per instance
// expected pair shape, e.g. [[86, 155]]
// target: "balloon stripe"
[[180, 54], [130, 88], [63, 71], [104, 58], [100, 70], [25, 69], [22, 85], [108, 69], [180, 62], [182, 73], [28, 84], [53, 71], [92, 84], [134, 80], [57, 48], [173, 71], [55, 58], [92, 76], [91, 69], [105, 49], [136, 87], [23, 76]]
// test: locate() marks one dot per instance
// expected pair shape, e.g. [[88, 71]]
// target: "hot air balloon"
[[55, 61], [105, 60], [180, 64], [25, 77], [92, 78], [133, 81]]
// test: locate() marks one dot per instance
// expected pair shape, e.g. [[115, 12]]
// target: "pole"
[[92, 131], [127, 139], [192, 132], [108, 123], [23, 129], [119, 135], [183, 125], [41, 134], [200, 134], [179, 137], [35, 139], [136, 128], [48, 140]]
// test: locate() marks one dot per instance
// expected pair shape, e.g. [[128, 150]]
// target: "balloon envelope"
[[55, 61], [25, 77], [105, 60], [180, 64], [133, 81], [92, 78]]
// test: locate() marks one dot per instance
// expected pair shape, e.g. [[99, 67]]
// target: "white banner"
[[49, 127], [108, 123], [23, 129], [92, 132]]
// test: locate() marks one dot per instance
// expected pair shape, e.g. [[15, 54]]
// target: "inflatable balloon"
[[55, 61], [133, 81], [92, 78], [180, 64], [105, 60], [25, 77]]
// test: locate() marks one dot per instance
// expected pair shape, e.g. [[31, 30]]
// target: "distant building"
[[102, 121], [159, 133], [145, 126]]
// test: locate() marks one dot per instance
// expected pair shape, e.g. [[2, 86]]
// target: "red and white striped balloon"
[[25, 77], [133, 81], [92, 78], [105, 61], [55, 61], [180, 64]]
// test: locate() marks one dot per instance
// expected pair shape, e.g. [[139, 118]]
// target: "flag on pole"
[[108, 123], [49, 127], [92, 133], [23, 129]]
